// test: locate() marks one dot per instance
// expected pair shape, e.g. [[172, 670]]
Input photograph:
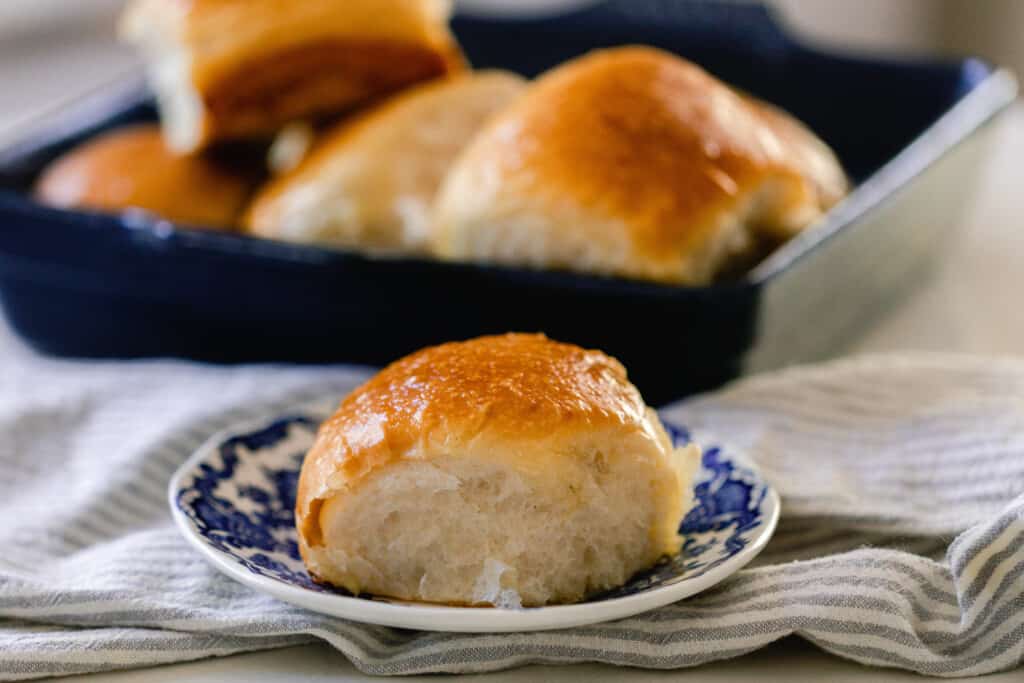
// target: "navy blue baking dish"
[[77, 284]]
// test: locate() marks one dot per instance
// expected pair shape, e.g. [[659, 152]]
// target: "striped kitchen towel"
[[901, 545]]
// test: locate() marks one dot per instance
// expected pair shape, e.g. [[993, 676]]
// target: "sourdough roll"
[[506, 471], [131, 168], [633, 162], [370, 182], [227, 69]]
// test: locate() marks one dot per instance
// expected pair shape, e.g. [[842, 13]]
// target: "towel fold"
[[901, 543]]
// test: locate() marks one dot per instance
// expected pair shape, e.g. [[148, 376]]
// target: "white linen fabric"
[[901, 542]]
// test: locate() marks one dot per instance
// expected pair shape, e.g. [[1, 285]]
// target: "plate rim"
[[444, 618]]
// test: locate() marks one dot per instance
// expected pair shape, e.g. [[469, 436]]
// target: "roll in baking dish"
[[131, 168], [242, 68], [370, 182], [505, 471], [633, 162]]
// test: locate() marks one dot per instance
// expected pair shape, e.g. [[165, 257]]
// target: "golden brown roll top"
[[226, 69], [370, 182], [633, 162], [517, 463], [131, 168], [516, 393]]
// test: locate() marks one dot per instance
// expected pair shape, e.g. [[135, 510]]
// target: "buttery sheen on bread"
[[371, 181], [225, 69], [509, 470], [131, 168], [633, 162]]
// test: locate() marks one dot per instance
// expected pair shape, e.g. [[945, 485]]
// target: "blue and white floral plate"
[[234, 500]]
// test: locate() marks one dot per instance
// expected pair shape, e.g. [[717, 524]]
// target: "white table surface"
[[970, 304]]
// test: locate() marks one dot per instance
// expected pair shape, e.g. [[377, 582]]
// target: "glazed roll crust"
[[370, 182], [131, 168], [633, 162], [226, 69], [503, 471]]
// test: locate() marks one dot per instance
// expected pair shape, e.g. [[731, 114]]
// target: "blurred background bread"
[[52, 51], [508, 471], [228, 69], [132, 168], [370, 182], [633, 162]]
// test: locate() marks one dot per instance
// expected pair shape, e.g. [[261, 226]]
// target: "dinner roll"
[[371, 182], [131, 168], [242, 68], [633, 162], [506, 471]]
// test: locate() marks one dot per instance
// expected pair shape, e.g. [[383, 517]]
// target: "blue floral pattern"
[[240, 499]]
